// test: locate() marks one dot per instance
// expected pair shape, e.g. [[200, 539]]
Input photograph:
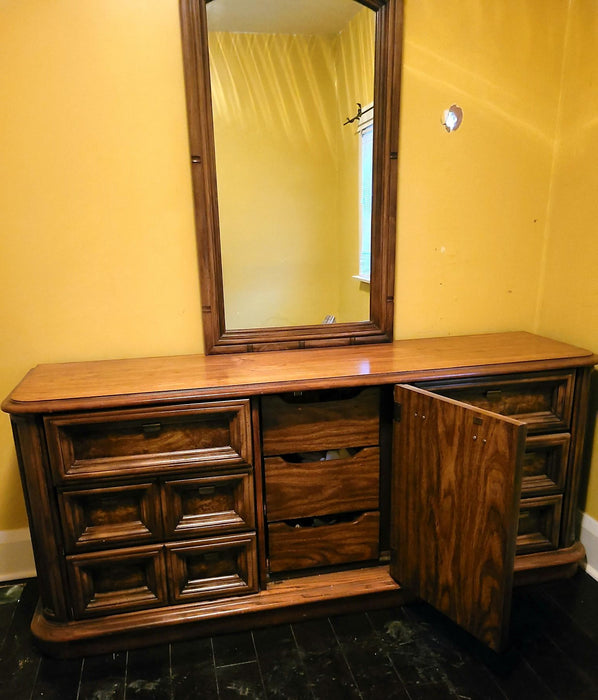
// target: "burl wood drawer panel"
[[110, 516], [545, 463], [207, 504], [539, 522], [544, 400], [301, 490], [212, 567], [304, 547], [320, 421], [113, 443], [117, 580]]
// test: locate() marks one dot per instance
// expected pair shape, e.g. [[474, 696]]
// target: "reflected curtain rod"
[[359, 114]]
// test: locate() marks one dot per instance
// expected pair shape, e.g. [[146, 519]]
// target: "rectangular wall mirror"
[[293, 120]]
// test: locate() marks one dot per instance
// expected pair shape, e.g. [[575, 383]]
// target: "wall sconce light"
[[453, 116]]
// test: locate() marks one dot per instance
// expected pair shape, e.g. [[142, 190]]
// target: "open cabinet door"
[[456, 484]]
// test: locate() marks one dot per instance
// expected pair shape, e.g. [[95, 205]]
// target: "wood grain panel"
[[292, 548], [545, 463], [43, 517], [539, 523], [113, 581], [318, 488], [543, 401], [456, 485], [210, 503], [110, 516], [112, 443], [320, 421], [213, 567]]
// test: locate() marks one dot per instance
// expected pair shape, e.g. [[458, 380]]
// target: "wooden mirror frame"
[[387, 81]]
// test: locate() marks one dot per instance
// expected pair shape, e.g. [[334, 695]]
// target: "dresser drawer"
[[110, 516], [208, 503], [539, 523], [117, 443], [301, 490], [212, 567], [117, 581], [303, 546], [545, 463], [320, 421], [544, 400]]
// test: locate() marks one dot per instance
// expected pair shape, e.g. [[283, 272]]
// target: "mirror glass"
[[293, 158]]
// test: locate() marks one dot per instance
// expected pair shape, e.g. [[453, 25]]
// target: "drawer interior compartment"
[[539, 522], [305, 489], [321, 542], [110, 516], [208, 504], [117, 581], [212, 567], [111, 443], [545, 463], [320, 420], [544, 401]]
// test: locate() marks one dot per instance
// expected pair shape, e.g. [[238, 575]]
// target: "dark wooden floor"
[[408, 653]]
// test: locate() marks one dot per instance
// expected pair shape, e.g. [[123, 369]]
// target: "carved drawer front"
[[539, 522], [209, 503], [544, 400], [212, 567], [320, 421], [545, 463], [113, 443], [308, 544], [110, 516], [304, 489], [117, 581]]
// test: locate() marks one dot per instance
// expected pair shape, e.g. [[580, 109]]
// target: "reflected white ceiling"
[[281, 16]]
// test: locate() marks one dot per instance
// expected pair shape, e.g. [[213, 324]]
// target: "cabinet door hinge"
[[396, 414]]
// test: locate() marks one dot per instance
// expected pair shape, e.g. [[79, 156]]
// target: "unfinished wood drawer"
[[110, 516], [117, 581], [306, 545], [210, 503], [542, 400], [545, 463], [117, 443], [539, 523], [320, 421], [212, 567], [304, 489]]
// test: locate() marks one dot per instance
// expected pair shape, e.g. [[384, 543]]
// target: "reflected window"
[[366, 159]]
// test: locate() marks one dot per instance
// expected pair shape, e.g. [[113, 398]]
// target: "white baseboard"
[[16, 555], [589, 539]]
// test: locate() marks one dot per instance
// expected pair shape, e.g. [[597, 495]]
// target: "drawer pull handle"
[[206, 490], [493, 394], [151, 429]]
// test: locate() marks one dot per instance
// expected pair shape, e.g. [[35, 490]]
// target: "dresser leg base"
[[548, 566]]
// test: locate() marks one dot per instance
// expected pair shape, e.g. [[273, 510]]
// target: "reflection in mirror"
[[293, 159]]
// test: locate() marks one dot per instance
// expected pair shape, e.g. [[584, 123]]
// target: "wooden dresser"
[[170, 497]]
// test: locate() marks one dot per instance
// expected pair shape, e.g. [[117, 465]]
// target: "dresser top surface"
[[103, 383]]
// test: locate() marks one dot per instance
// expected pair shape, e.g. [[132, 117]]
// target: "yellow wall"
[[472, 204], [288, 172], [97, 244], [276, 134], [569, 306], [97, 250]]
